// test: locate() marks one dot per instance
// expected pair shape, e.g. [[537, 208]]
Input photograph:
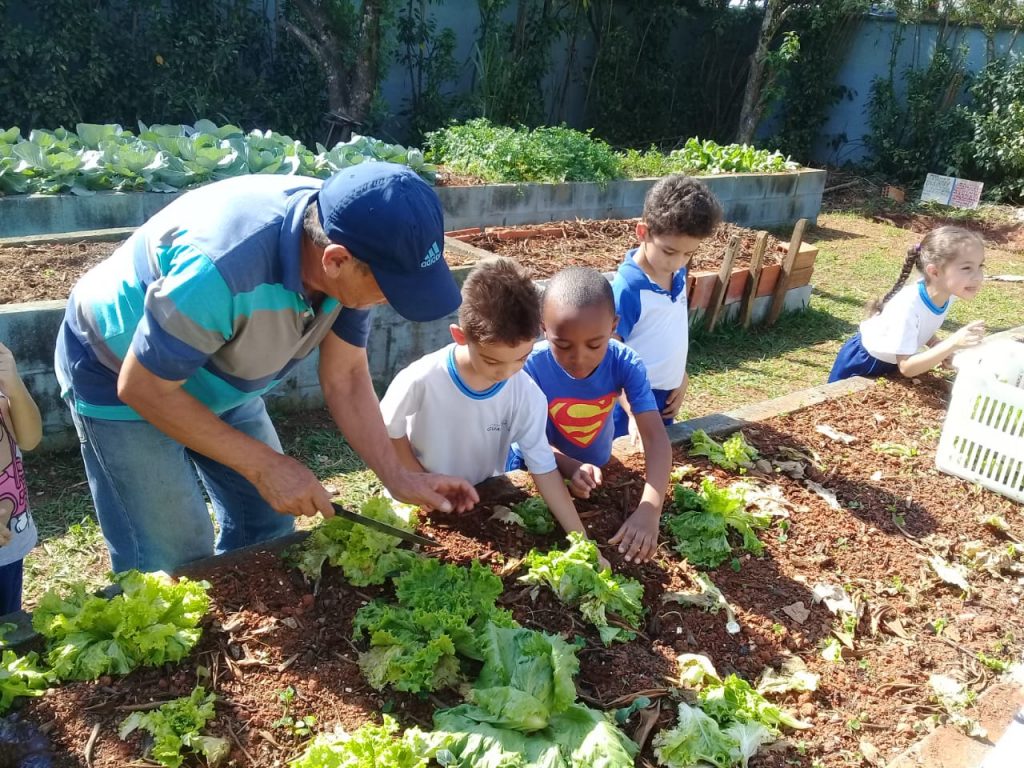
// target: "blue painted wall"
[[869, 57]]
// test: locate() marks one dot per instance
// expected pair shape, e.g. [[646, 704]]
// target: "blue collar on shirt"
[[463, 387], [923, 293], [290, 244], [634, 275]]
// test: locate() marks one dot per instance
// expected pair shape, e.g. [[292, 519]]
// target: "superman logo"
[[580, 421]]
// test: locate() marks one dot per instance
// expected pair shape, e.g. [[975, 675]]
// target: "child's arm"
[[583, 478], [968, 336], [27, 424], [638, 536]]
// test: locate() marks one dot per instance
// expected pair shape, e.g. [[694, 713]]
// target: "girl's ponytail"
[[912, 261]]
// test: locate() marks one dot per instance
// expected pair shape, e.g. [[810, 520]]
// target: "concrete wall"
[[868, 58], [751, 200]]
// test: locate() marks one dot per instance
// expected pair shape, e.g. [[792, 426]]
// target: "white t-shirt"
[[455, 430], [907, 321], [654, 322]]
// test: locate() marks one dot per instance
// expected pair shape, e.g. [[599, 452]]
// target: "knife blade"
[[391, 530]]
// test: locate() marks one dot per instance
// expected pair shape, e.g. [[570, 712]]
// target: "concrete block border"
[[749, 199]]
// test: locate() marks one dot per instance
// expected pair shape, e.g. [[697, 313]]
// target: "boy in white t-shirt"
[[458, 410], [650, 288]]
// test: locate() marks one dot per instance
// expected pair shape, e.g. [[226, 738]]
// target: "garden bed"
[[602, 243], [268, 630]]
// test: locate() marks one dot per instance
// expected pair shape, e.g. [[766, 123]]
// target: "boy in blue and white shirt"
[[583, 371], [650, 287]]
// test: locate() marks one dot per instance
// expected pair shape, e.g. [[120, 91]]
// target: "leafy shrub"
[[502, 154], [995, 153], [919, 132], [20, 676], [166, 158]]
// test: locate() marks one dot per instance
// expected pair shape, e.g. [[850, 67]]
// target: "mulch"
[[894, 510]]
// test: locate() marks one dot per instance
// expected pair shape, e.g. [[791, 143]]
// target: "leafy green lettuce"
[[701, 528], [153, 621], [534, 515], [20, 676], [735, 700], [735, 453], [441, 614], [176, 728], [365, 555], [527, 677], [370, 745], [575, 577], [578, 737]]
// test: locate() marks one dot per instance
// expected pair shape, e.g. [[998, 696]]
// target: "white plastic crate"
[[983, 434]]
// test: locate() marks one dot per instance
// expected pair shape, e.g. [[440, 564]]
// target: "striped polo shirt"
[[209, 292]]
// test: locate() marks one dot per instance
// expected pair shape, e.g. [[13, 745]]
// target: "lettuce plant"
[[176, 728], [153, 621], [577, 580]]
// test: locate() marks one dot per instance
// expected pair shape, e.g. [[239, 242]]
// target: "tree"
[[345, 41], [768, 63]]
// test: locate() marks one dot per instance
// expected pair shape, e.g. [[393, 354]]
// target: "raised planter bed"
[[269, 630], [601, 244], [755, 200]]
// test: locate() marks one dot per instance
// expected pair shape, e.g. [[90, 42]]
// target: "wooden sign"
[[949, 190]]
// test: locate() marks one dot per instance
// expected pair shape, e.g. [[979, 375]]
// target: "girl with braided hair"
[[900, 332]]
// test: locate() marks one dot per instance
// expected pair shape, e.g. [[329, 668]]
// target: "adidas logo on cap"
[[433, 254]]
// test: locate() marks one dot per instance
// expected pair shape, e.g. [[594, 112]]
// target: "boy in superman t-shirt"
[[582, 371]]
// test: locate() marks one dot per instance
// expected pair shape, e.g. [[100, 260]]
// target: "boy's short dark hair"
[[681, 205], [500, 304], [580, 287]]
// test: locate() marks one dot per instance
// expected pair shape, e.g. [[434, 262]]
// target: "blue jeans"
[[146, 488]]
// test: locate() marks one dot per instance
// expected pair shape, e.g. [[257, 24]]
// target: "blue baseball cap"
[[390, 218]]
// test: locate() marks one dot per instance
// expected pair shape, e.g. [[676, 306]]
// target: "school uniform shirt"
[[905, 324], [579, 411], [17, 529], [208, 291], [455, 430], [653, 322]]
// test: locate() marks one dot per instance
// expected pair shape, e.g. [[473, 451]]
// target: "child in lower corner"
[[899, 335], [650, 288], [20, 427], [458, 410], [583, 371]]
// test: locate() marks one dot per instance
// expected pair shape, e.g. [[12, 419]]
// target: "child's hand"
[[8, 370], [584, 480], [969, 336], [638, 537], [602, 562], [675, 399]]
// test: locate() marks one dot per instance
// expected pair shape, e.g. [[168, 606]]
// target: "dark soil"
[[40, 272], [269, 630], [601, 244]]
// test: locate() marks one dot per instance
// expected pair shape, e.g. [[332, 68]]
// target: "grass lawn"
[[858, 260]]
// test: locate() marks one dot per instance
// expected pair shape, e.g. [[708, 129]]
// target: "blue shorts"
[[622, 418], [854, 360], [10, 586]]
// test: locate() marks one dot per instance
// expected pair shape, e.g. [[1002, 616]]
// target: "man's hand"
[[9, 378], [584, 480], [429, 491], [637, 539], [290, 487]]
